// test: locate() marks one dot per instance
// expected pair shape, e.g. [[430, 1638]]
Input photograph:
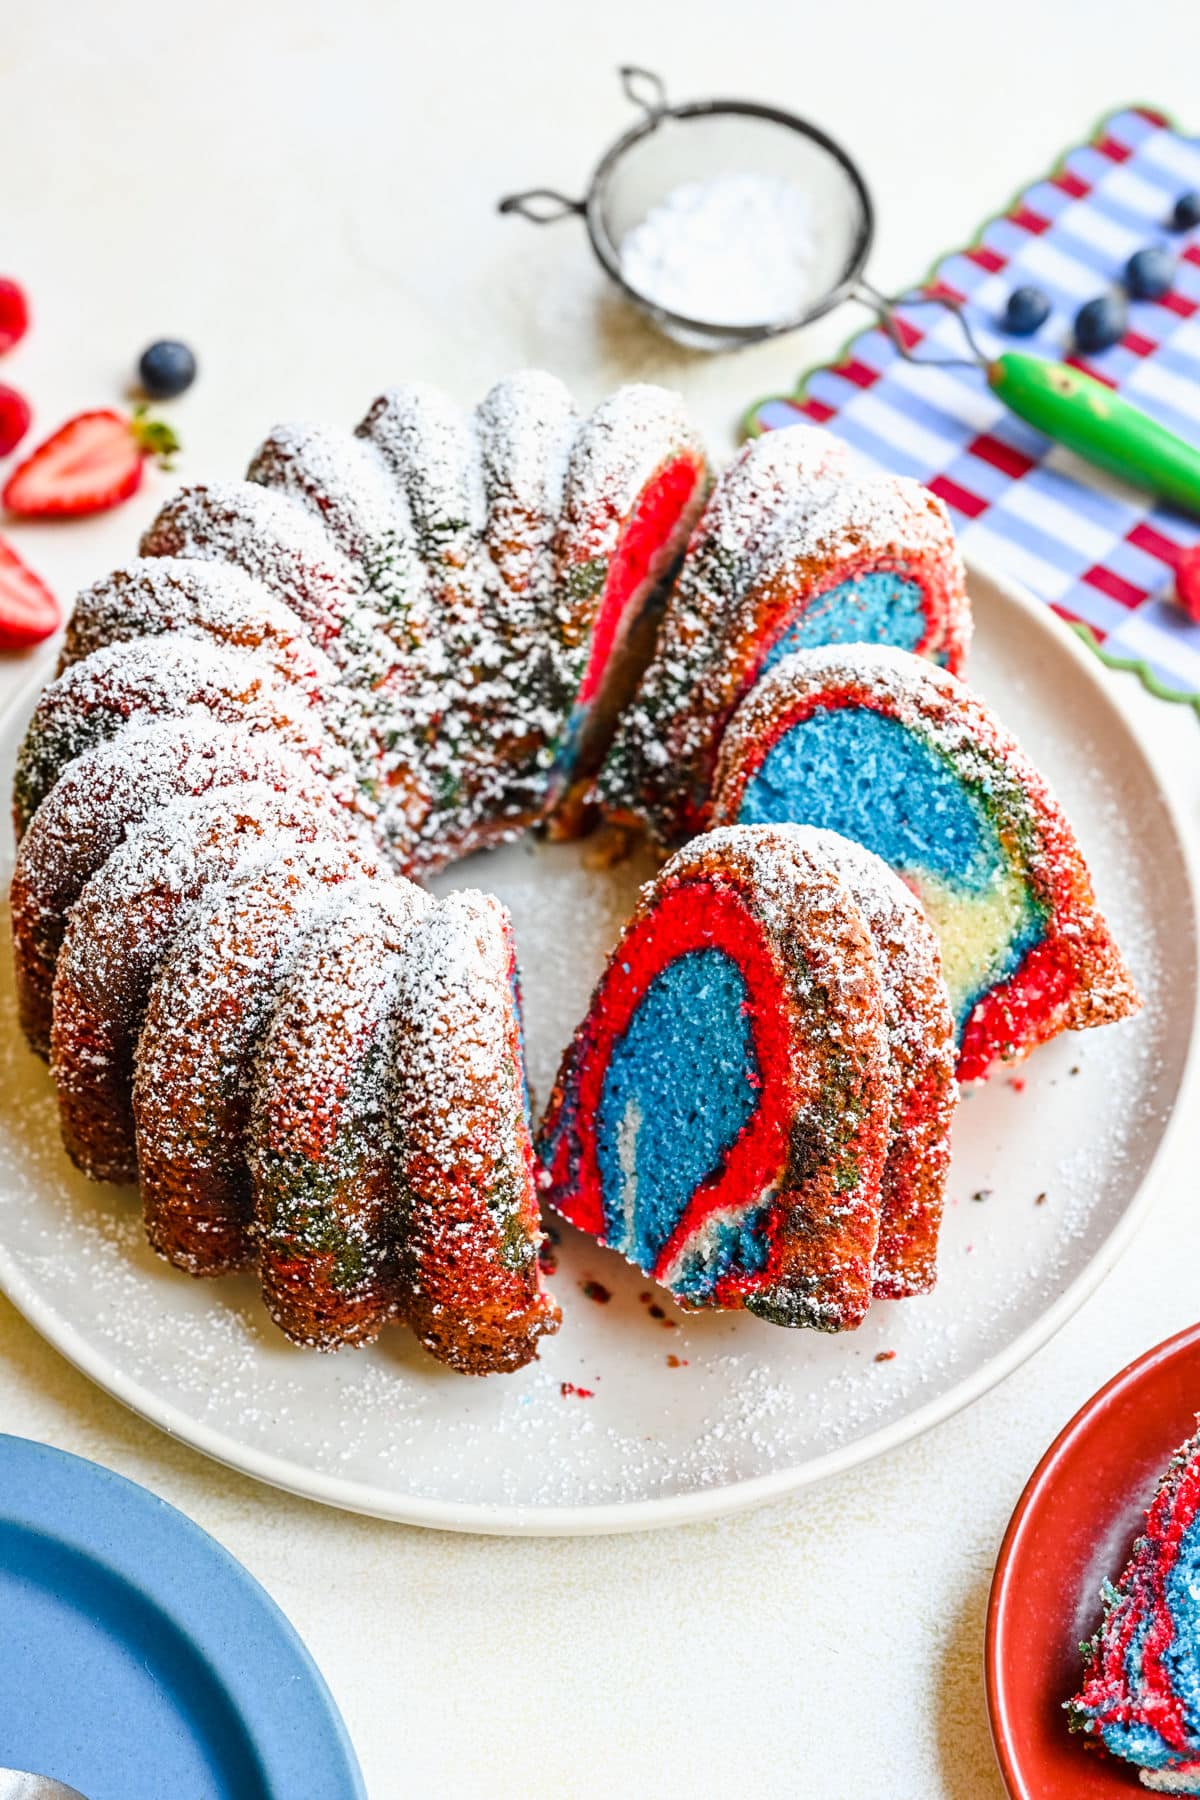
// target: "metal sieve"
[[699, 140]]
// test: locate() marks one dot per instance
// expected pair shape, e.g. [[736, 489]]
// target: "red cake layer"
[[689, 916], [659, 509]]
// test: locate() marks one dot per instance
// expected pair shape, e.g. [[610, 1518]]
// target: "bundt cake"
[[389, 647], [731, 1112], [798, 545], [1140, 1698], [900, 756]]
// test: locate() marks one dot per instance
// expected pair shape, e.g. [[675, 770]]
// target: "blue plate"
[[138, 1660]]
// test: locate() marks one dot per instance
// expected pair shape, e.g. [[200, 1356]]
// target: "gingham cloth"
[[1092, 548]]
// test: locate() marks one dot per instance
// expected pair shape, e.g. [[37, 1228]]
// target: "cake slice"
[[723, 1114], [1140, 1697], [900, 756]]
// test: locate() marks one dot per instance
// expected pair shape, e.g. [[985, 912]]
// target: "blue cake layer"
[[881, 608], [866, 775], [862, 773], [1183, 1656], [680, 1087], [1139, 1741]]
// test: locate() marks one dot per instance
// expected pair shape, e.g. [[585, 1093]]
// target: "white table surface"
[[304, 192]]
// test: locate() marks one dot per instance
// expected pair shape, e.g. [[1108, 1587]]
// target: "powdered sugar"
[[172, 676], [731, 250]]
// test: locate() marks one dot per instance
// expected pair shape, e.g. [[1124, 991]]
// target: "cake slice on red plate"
[[1140, 1698]]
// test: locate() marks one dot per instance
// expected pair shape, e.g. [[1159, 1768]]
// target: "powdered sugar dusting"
[[171, 676]]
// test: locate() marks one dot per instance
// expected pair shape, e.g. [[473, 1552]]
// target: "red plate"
[[1074, 1526]]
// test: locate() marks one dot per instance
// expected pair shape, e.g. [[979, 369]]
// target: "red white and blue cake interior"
[[901, 757], [1140, 1697], [725, 1114]]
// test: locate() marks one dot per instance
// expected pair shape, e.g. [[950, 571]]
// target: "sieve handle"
[[541, 206], [645, 89], [1080, 412]]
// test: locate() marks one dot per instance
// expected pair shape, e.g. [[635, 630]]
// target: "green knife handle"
[[1076, 410]]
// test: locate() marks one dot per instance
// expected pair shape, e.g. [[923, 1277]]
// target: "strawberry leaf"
[[154, 437]]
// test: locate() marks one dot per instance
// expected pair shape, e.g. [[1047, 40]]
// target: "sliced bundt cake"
[[1140, 1698], [387, 648], [798, 545], [902, 757], [726, 1113]]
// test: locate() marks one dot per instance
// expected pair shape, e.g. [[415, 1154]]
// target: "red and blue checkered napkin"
[[1095, 550]]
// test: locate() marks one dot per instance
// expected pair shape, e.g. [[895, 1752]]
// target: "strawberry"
[[92, 462], [14, 418], [14, 314], [28, 610], [1187, 582]]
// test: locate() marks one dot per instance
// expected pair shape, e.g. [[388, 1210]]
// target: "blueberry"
[[1027, 309], [1149, 273], [1187, 210], [1100, 323], [166, 369]]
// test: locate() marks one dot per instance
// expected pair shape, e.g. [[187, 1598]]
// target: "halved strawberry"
[[28, 610], [92, 462], [15, 416], [14, 314]]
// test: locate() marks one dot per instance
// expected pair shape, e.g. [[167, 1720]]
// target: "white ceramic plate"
[[628, 1419]]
